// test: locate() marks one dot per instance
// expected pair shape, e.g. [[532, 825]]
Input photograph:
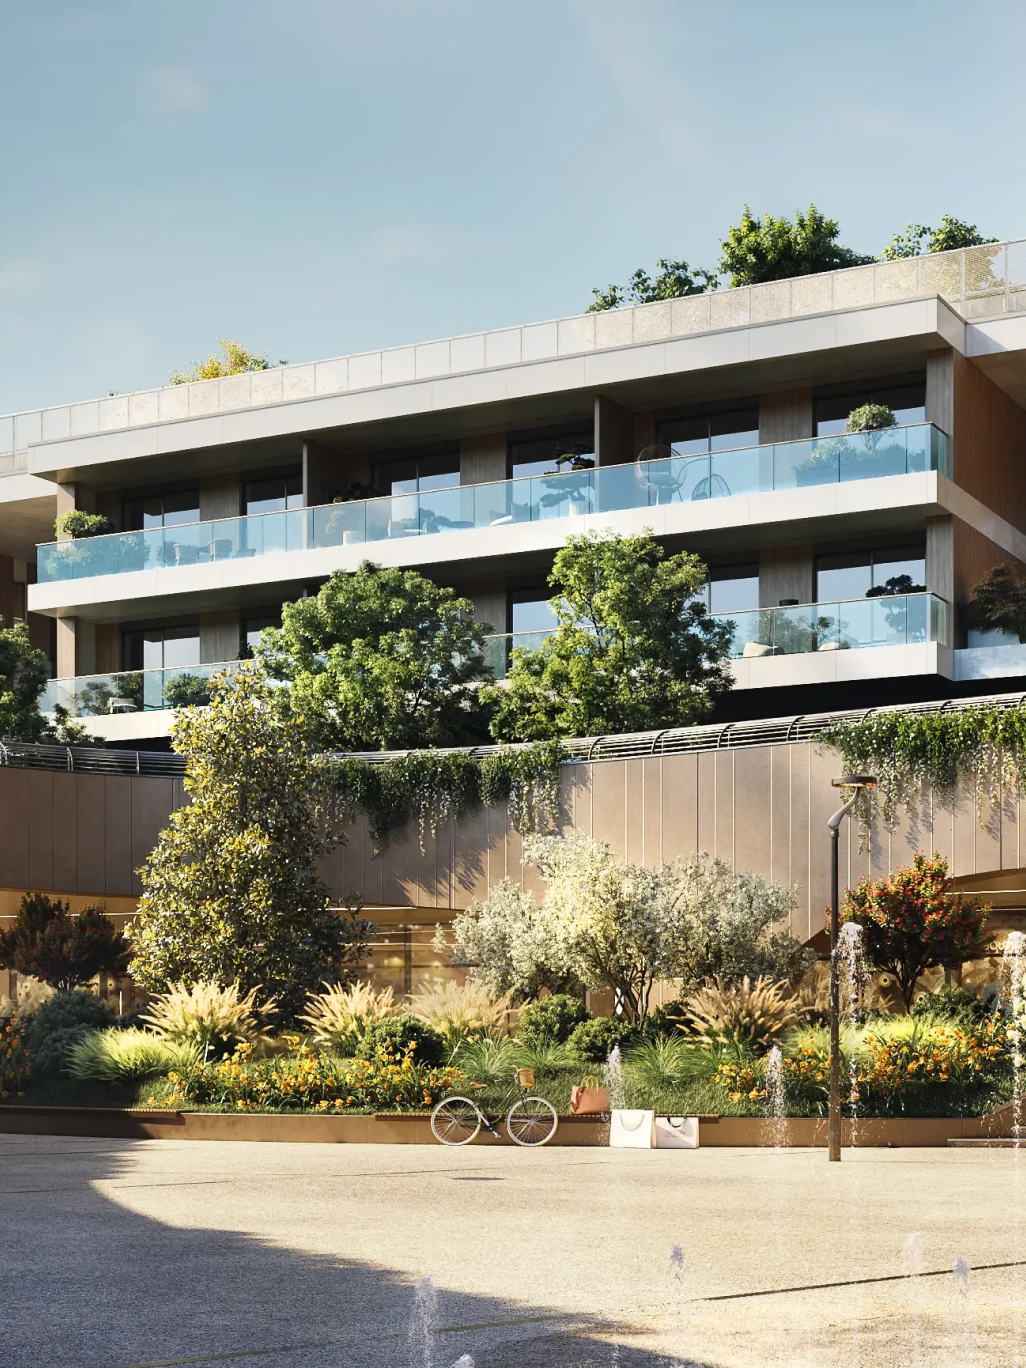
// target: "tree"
[[609, 924], [380, 660], [777, 249], [999, 602], [23, 676], [231, 892], [234, 359], [65, 951], [633, 649], [675, 280], [952, 234], [912, 921]]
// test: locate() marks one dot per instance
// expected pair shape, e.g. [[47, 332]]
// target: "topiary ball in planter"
[[399, 1034], [592, 1041], [551, 1020], [870, 418]]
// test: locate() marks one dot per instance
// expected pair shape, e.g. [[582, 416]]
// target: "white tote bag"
[[676, 1132], [631, 1129]]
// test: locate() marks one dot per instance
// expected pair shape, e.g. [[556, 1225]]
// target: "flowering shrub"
[[913, 1068], [14, 1063], [314, 1082]]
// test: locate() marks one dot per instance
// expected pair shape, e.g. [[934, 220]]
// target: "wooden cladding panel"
[[989, 442]]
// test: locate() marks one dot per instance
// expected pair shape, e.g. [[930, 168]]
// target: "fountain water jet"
[[775, 1100], [614, 1079], [422, 1324], [852, 967], [1014, 957], [913, 1265]]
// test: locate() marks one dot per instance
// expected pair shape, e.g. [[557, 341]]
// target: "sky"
[[321, 177]]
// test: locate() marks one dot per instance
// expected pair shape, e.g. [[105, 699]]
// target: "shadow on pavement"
[[86, 1283]]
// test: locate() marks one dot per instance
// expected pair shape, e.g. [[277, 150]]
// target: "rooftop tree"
[[756, 251], [634, 646], [952, 234], [380, 659], [231, 892], [675, 280], [234, 359]]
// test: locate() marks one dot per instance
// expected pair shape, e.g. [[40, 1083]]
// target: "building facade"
[[717, 421]]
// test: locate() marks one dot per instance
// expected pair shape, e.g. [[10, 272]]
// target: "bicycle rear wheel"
[[532, 1121], [455, 1121]]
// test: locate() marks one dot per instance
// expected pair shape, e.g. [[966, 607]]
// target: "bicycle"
[[531, 1121]]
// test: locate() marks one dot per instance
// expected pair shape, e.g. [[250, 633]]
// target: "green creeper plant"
[[912, 754], [634, 647], [380, 659], [756, 251], [912, 921], [231, 893]]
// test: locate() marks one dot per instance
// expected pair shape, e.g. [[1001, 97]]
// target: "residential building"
[[714, 420]]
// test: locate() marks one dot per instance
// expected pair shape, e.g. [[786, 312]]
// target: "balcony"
[[811, 628], [131, 691], [398, 518]]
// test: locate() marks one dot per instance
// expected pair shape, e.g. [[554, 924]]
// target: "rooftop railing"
[[980, 282], [605, 489]]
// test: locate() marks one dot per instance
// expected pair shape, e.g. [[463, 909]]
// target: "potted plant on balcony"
[[342, 527], [577, 492], [74, 526], [840, 458]]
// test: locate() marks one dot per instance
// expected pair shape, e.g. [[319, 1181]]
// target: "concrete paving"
[[124, 1254]]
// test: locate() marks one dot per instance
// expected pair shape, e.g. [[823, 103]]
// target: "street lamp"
[[855, 783]]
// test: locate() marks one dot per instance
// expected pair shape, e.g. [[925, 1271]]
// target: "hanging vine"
[[914, 753], [432, 787]]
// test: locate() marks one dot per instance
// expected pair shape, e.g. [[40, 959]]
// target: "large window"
[[552, 455], [160, 648], [161, 510], [253, 626], [530, 611], [907, 401], [858, 574], [712, 432], [418, 475], [732, 589], [274, 494]]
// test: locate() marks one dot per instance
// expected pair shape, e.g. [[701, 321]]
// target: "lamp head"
[[857, 781]]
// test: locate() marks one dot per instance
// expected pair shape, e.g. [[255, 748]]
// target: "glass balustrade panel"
[[678, 479]]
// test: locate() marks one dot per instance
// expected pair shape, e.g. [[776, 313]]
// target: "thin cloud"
[[172, 93], [21, 275]]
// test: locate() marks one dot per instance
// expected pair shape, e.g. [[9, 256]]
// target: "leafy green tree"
[[633, 649], [380, 660], [999, 602], [231, 892], [23, 676], [65, 951], [952, 234], [777, 249], [912, 920], [675, 280]]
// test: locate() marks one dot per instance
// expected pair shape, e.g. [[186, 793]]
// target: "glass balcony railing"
[[854, 624], [131, 691], [608, 489]]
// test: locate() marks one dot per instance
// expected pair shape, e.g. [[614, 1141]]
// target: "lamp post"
[[855, 783]]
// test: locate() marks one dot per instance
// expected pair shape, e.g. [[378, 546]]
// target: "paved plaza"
[[123, 1253]]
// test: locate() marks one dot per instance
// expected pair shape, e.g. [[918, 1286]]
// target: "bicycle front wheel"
[[456, 1121], [532, 1121]]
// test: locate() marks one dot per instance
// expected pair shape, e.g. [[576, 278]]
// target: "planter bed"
[[413, 1128]]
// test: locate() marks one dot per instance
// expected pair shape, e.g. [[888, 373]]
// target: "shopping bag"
[[586, 1101], [631, 1129], [676, 1132]]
